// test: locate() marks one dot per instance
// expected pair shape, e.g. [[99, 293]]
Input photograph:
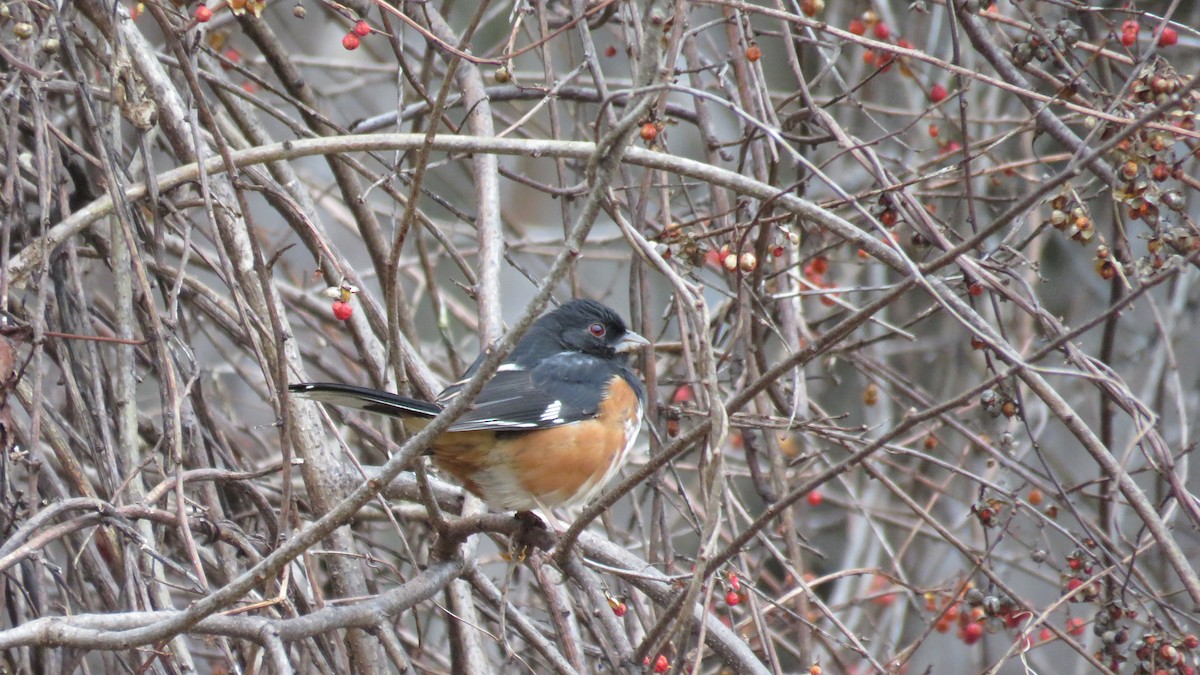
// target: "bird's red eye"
[[597, 330]]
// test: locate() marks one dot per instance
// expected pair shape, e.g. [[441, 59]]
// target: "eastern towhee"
[[550, 428]]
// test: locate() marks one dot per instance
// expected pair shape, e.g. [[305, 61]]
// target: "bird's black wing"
[[560, 389]]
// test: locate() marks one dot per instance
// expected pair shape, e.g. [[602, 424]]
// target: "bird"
[[550, 428]]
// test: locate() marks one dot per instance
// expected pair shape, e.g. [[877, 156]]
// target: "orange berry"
[[753, 52], [857, 27], [203, 14], [871, 394]]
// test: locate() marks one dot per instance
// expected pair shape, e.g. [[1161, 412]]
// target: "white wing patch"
[[505, 424], [552, 412]]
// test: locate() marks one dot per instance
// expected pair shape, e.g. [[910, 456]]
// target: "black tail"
[[362, 398]]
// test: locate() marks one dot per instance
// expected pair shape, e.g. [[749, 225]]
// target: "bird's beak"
[[631, 342]]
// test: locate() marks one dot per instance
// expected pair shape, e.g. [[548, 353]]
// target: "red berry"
[[203, 14], [1130, 26], [857, 27], [610, 51], [661, 664], [975, 289], [350, 42], [882, 31], [934, 131], [1168, 37], [829, 300], [1075, 626], [753, 52], [362, 29], [732, 598], [972, 632], [938, 93], [1128, 37], [815, 498], [777, 251], [649, 132], [342, 310]]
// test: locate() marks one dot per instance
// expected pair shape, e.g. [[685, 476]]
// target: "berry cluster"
[[881, 31], [1070, 216], [987, 511], [1034, 47], [1147, 157], [814, 273], [976, 613], [1165, 656], [677, 241], [1129, 33], [998, 402]]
